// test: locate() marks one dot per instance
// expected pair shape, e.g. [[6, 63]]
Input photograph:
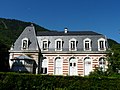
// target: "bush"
[[21, 81]]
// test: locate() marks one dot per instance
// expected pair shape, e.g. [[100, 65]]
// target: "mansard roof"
[[69, 33], [29, 33]]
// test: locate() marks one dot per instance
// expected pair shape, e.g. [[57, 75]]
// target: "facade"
[[59, 53]]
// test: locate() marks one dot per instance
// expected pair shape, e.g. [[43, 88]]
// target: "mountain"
[[112, 42], [10, 29]]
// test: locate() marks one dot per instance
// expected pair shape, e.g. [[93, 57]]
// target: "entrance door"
[[87, 66], [58, 66], [73, 66]]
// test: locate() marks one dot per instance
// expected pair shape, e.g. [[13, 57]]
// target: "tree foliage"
[[10, 29], [114, 59]]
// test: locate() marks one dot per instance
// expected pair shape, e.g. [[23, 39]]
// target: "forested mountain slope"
[[10, 29]]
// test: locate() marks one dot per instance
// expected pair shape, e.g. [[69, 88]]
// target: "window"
[[87, 44], [102, 64], [58, 66], [101, 44], [25, 43], [44, 66], [45, 45], [72, 45], [58, 45]]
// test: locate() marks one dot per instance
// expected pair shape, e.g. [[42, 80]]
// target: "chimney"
[[65, 30]]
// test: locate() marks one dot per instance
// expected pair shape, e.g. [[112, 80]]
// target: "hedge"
[[19, 81]]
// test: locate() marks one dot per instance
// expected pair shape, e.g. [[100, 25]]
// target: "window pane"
[[24, 44], [72, 45], [45, 45], [101, 44], [74, 64], [45, 70], [87, 45], [58, 47]]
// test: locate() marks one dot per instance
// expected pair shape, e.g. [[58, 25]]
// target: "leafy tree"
[[114, 59], [10, 29]]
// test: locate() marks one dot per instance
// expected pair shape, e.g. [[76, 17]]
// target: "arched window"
[[58, 45], [25, 43], [73, 68], [72, 45], [87, 66], [58, 66], [44, 66], [102, 64], [101, 44], [87, 44]]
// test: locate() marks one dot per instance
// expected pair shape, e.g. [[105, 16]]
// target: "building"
[[58, 53]]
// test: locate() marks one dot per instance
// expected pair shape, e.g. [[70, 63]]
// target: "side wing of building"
[[24, 53]]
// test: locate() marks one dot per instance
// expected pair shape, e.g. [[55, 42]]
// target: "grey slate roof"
[[28, 32], [69, 33]]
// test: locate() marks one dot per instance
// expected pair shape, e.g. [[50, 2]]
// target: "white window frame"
[[89, 44], [44, 66], [72, 45], [45, 48], [26, 46], [104, 46], [58, 67], [58, 47]]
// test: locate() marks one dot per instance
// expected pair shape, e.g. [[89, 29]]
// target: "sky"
[[102, 16]]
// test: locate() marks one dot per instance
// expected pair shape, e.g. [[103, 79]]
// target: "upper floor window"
[[72, 45], [101, 44], [87, 44], [45, 45], [25, 43], [58, 45]]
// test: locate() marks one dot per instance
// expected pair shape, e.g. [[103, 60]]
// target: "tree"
[[114, 59]]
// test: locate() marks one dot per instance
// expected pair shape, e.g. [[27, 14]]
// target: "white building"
[[58, 53]]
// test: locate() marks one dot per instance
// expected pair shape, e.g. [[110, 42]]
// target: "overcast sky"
[[102, 16]]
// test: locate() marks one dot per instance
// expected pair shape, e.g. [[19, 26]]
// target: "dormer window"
[[72, 45], [87, 44], [101, 44], [25, 43], [45, 45], [58, 45]]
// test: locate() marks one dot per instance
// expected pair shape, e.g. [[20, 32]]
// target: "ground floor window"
[[58, 66], [102, 64], [87, 66], [44, 70], [73, 66], [44, 66]]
